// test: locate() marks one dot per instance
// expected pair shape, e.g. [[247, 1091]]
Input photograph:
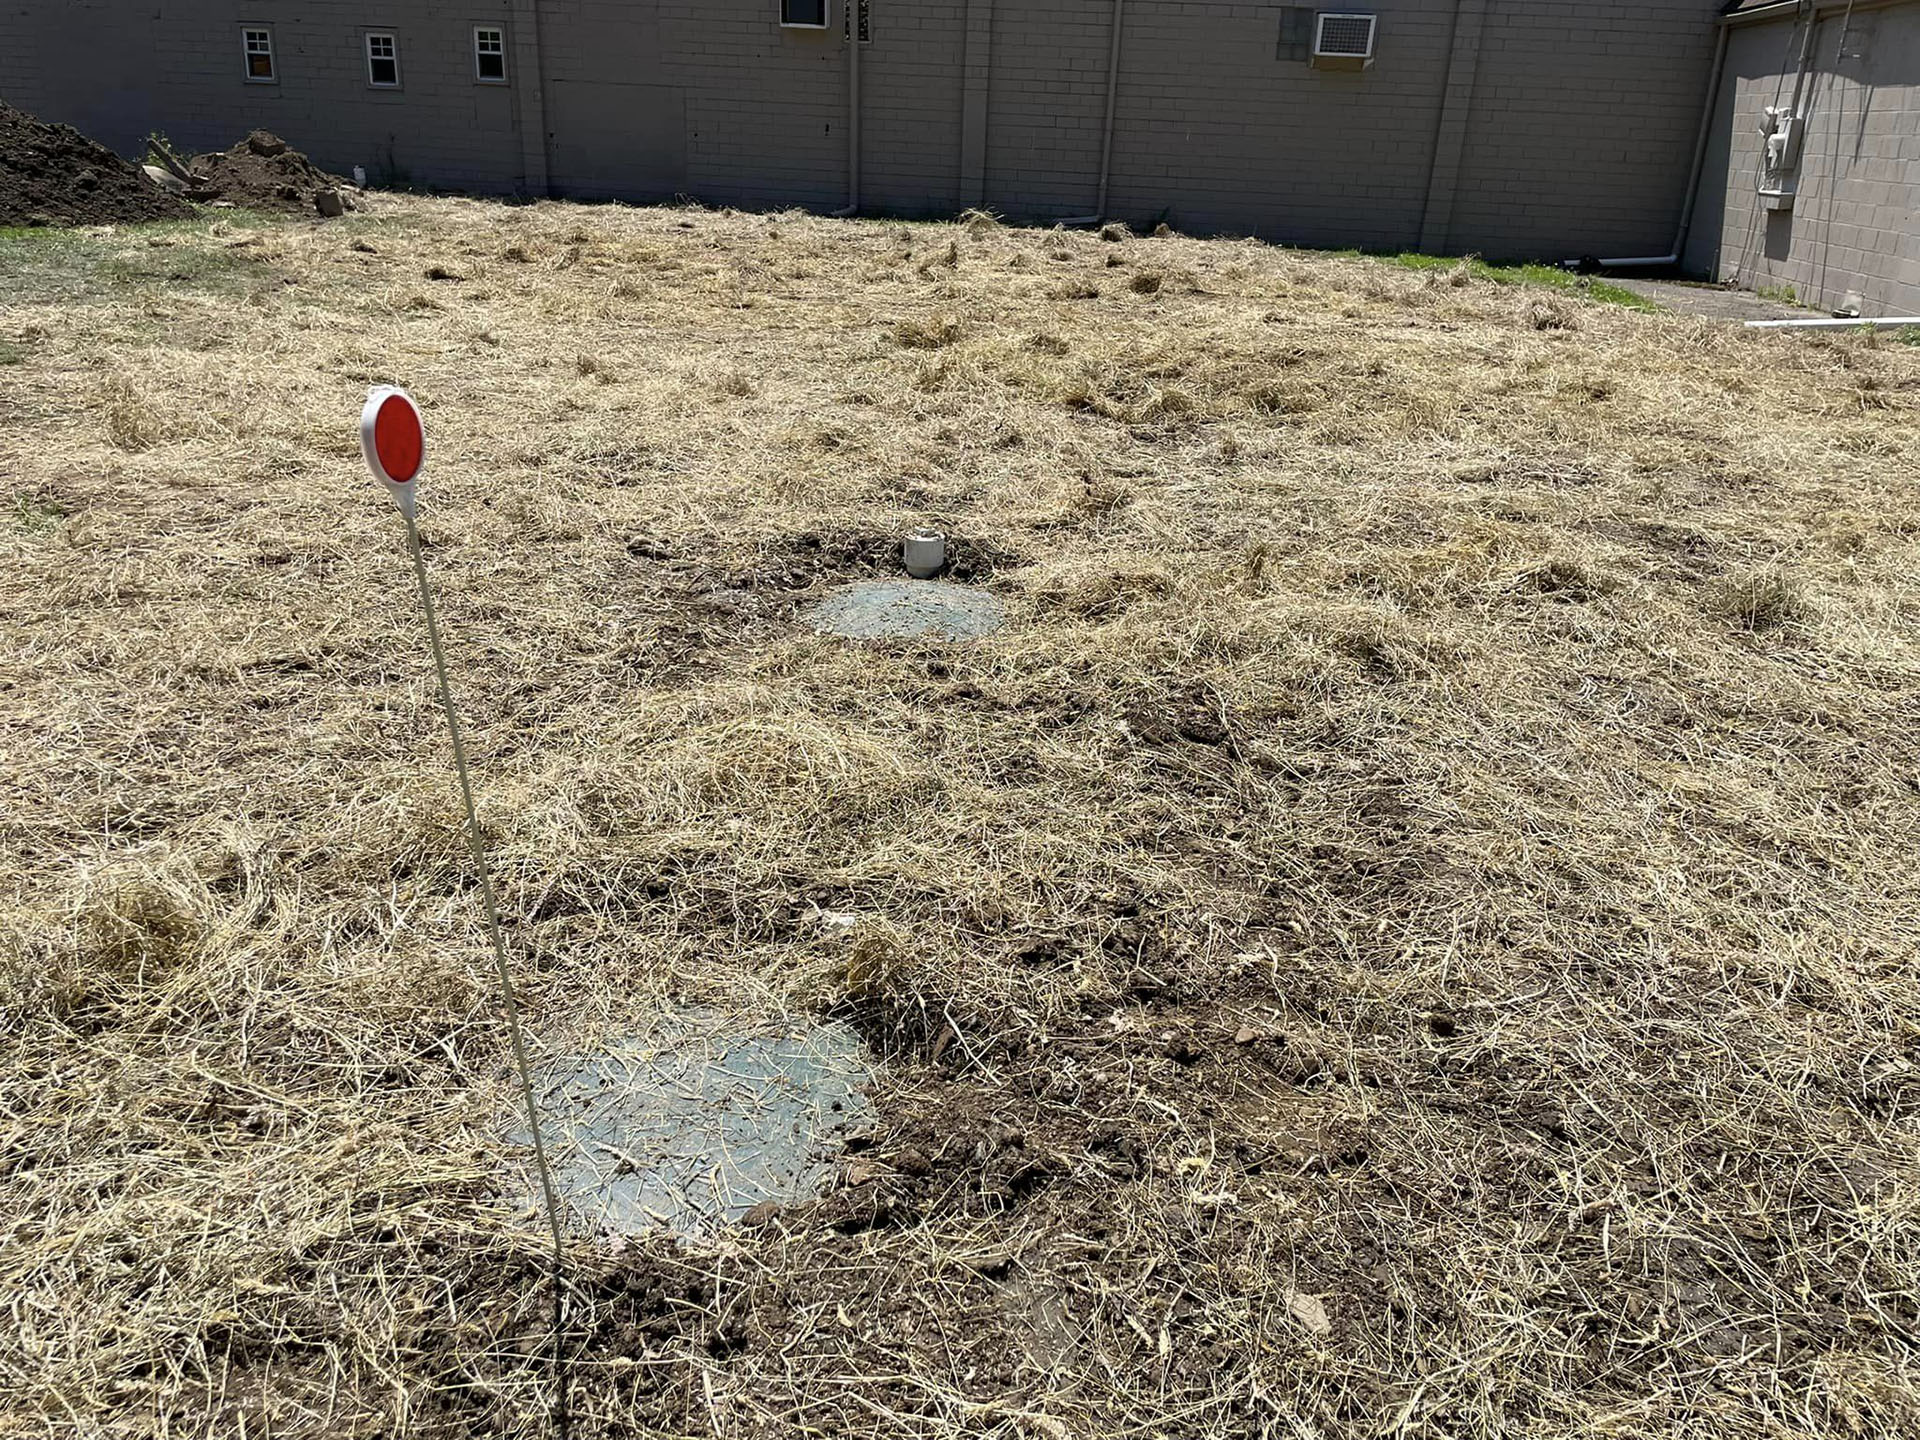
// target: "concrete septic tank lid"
[[688, 1128], [878, 609]]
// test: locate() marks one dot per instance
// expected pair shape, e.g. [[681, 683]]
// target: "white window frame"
[[826, 18], [247, 52], [500, 35], [1320, 20], [393, 41]]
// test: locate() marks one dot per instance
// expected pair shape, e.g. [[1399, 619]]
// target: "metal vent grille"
[[1345, 35]]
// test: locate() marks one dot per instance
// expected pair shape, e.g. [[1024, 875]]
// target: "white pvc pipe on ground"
[[1890, 322], [924, 552]]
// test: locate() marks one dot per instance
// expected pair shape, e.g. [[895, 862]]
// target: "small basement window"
[[490, 56], [383, 60], [1296, 34], [256, 46], [803, 14]]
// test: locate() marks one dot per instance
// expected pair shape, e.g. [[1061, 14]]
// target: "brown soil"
[[263, 172], [54, 175]]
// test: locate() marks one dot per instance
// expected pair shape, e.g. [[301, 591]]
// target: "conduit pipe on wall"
[[852, 206], [1106, 135], [1655, 262], [1806, 57]]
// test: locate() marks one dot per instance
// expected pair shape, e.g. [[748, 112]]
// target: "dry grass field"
[[1410, 931]]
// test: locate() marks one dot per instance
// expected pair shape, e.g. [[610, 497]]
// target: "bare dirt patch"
[[54, 175], [263, 172], [1403, 933]]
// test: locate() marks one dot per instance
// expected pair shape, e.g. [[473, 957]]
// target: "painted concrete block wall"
[[1582, 127], [1046, 104], [88, 63], [1855, 222], [912, 77], [1219, 133], [1566, 128], [185, 62], [616, 128], [1213, 130], [710, 98], [766, 106], [440, 126]]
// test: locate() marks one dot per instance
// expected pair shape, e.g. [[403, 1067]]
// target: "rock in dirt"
[[165, 179], [1183, 1047], [994, 1264], [263, 172], [1310, 1311], [54, 175], [330, 204]]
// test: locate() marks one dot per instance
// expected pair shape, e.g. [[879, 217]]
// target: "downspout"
[[1106, 137], [546, 127], [852, 206], [1700, 148], [529, 98], [1651, 262]]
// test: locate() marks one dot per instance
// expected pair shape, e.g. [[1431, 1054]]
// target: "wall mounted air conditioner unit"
[[1342, 41]]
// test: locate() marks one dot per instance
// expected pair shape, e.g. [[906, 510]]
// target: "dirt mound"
[[54, 175], [263, 172]]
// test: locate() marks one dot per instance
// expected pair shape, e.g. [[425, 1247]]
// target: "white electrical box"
[[1783, 133]]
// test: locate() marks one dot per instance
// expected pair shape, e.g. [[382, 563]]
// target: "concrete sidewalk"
[[1692, 297]]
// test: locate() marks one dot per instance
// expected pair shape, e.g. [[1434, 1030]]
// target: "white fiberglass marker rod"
[[394, 443]]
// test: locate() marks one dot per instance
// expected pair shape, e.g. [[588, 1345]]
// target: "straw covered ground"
[[1410, 931]]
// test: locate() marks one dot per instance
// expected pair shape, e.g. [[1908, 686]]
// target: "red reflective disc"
[[397, 439]]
